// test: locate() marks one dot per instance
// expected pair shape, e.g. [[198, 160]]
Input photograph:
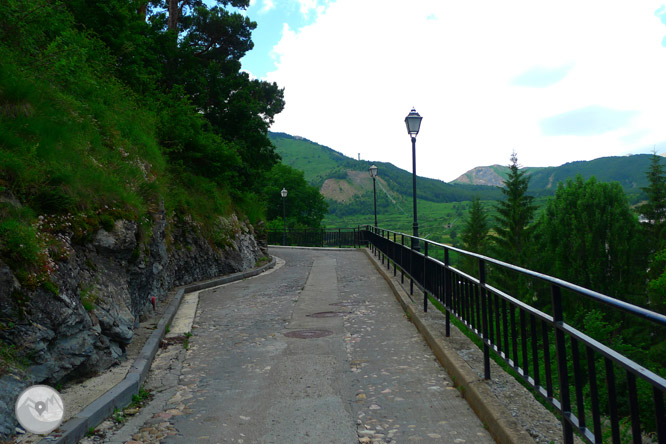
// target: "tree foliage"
[[514, 215], [476, 227], [654, 210], [588, 235], [304, 205]]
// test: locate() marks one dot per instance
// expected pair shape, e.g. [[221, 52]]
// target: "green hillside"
[[347, 187], [320, 163], [629, 171], [90, 134]]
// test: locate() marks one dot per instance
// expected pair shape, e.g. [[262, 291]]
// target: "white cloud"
[[307, 7], [352, 76], [267, 6]]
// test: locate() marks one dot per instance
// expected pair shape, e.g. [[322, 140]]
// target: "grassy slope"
[[77, 152]]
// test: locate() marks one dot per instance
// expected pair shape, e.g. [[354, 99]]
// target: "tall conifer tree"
[[654, 210], [475, 233], [514, 215]]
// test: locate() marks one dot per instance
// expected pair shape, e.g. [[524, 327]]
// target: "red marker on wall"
[[152, 301]]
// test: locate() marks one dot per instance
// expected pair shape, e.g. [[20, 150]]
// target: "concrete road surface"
[[318, 351]]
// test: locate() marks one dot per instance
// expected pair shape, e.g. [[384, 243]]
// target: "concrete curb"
[[121, 394], [501, 424]]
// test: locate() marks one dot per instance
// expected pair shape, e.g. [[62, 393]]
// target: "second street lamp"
[[373, 174], [283, 193], [413, 122]]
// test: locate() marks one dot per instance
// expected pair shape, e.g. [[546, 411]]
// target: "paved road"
[[371, 379]]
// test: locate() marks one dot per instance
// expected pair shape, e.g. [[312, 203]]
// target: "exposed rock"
[[103, 289], [486, 175]]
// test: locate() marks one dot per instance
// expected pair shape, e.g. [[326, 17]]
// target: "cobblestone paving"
[[372, 380]]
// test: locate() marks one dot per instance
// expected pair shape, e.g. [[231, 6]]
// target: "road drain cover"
[[308, 334], [328, 314], [345, 304]]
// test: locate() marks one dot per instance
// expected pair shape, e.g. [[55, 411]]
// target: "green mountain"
[[629, 171], [341, 178], [347, 186]]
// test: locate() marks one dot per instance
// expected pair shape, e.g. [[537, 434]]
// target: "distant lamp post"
[[373, 174], [413, 122], [283, 193]]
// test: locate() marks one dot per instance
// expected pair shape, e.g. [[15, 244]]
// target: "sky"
[[554, 81]]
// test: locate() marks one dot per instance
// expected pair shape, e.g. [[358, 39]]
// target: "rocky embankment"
[[103, 288]]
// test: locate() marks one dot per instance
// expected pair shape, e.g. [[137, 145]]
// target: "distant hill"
[[629, 171], [347, 186], [492, 175], [341, 178]]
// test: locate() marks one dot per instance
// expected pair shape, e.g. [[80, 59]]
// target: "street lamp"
[[413, 122], [373, 174], [283, 193]]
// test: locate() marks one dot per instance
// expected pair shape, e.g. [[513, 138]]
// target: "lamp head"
[[283, 192], [373, 171], [413, 122]]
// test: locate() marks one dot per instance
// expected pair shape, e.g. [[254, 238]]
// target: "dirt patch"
[[338, 189]]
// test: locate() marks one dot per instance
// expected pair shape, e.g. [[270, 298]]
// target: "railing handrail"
[[625, 306]]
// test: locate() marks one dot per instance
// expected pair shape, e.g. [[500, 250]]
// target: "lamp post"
[[283, 193], [373, 174], [413, 122]]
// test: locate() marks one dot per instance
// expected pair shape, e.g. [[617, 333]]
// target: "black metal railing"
[[338, 237], [600, 393]]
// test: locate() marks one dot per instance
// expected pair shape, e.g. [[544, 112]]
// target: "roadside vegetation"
[[131, 110]]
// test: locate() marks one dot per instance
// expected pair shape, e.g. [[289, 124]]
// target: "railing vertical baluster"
[[498, 330], [389, 249], [402, 260], [448, 291], [514, 336], [660, 415], [381, 234], [633, 406], [476, 306], [505, 327], [562, 371], [488, 298], [339, 238], [411, 268], [535, 351], [468, 298], [523, 342], [612, 402], [546, 359], [484, 309], [425, 277], [394, 256], [594, 395], [578, 384]]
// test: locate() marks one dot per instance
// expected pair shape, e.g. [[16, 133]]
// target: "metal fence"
[[338, 237], [597, 391]]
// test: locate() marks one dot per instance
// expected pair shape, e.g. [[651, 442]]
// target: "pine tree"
[[475, 233], [514, 215], [654, 210], [475, 230]]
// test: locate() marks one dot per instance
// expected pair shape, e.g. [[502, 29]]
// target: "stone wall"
[[117, 274]]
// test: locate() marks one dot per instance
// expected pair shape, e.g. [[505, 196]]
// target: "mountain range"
[[341, 178]]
